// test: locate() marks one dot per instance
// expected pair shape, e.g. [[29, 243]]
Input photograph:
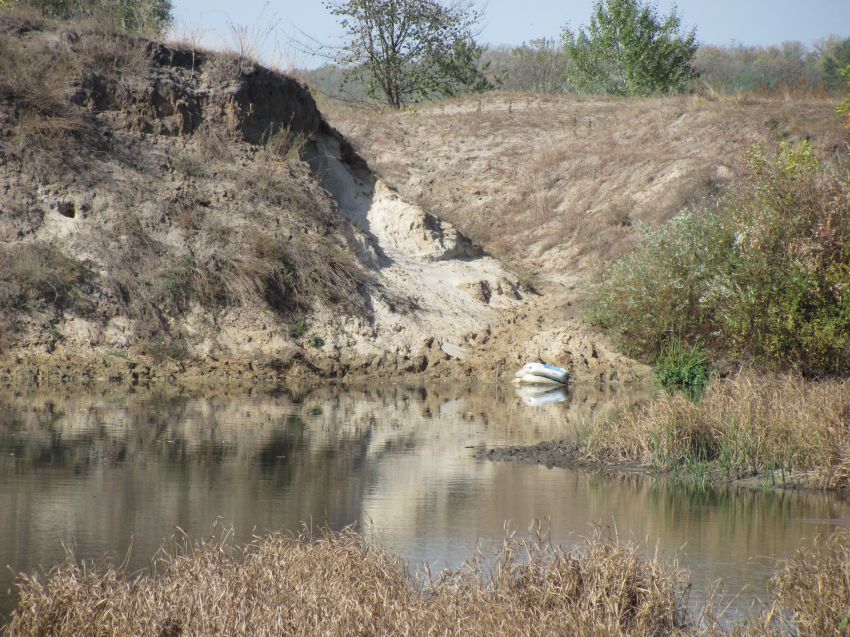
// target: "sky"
[[281, 30]]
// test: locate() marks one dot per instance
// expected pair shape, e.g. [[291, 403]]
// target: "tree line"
[[403, 51], [627, 47]]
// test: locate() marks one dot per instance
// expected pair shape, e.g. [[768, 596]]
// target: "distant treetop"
[[629, 49]]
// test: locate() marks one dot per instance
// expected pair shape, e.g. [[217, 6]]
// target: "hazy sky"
[[275, 23]]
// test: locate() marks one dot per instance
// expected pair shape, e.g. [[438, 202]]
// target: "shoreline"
[[563, 454], [26, 371]]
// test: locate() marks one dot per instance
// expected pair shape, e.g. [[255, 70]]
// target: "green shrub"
[[684, 368], [299, 329], [761, 277], [844, 108], [317, 341]]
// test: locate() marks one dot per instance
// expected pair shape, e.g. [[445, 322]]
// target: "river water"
[[104, 472]]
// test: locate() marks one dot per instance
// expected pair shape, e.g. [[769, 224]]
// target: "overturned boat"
[[541, 374]]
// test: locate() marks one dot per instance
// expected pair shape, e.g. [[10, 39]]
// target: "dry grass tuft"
[[36, 275], [337, 584], [37, 82], [811, 592], [744, 426]]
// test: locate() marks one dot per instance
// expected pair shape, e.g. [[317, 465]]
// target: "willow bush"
[[762, 276]]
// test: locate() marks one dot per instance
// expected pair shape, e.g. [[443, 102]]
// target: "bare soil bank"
[[170, 213]]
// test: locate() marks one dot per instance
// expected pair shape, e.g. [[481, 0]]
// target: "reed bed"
[[337, 584], [746, 425], [812, 591]]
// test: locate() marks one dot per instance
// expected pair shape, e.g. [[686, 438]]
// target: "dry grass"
[[811, 592], [535, 178], [334, 583], [813, 589], [745, 425], [337, 584], [35, 275], [37, 81], [47, 83]]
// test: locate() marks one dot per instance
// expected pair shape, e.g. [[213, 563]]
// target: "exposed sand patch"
[[446, 287]]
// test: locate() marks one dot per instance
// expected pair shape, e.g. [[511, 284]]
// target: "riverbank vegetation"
[[762, 276], [781, 428], [337, 584]]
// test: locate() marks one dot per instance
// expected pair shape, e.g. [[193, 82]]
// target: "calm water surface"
[[102, 472]]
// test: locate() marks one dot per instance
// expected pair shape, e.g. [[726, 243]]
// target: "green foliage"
[[844, 109], [410, 49], [299, 329], [135, 16], [317, 341], [764, 277], [628, 49], [683, 368], [661, 291], [833, 58]]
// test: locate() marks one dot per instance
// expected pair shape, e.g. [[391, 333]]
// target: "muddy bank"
[[566, 454], [27, 371]]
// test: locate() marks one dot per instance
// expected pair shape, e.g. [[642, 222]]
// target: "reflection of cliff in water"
[[141, 464], [79, 433], [100, 470]]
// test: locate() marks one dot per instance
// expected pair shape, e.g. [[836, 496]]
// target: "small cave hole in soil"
[[67, 209]]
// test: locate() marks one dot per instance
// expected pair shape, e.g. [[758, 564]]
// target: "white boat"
[[541, 374]]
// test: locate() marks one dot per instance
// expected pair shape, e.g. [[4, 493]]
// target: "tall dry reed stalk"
[[745, 425]]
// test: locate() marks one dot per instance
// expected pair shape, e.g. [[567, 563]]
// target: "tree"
[[844, 109], [410, 49], [628, 49], [834, 57]]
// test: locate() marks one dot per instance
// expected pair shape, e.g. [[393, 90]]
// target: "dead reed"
[[745, 425], [337, 584], [334, 583], [811, 592]]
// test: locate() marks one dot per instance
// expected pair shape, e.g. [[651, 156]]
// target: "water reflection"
[[102, 469], [541, 395]]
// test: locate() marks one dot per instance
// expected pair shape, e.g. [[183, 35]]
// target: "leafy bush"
[[683, 368], [763, 276]]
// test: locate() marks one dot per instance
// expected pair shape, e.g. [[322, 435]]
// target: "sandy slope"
[[446, 288]]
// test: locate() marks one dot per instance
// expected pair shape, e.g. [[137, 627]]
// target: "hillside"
[[169, 212], [172, 213], [558, 186]]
